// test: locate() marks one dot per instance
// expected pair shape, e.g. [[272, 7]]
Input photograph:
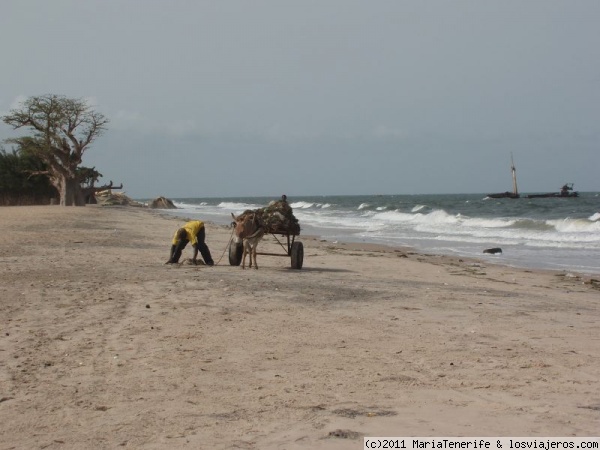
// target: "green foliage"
[[20, 173], [88, 176], [22, 180], [23, 173]]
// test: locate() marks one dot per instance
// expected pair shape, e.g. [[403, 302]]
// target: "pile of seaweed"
[[277, 218], [162, 203], [109, 198]]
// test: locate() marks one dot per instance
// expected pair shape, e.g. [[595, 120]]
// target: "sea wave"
[[302, 205], [441, 217], [237, 206], [529, 224], [547, 234], [184, 205], [575, 225], [566, 232], [524, 241], [489, 223]]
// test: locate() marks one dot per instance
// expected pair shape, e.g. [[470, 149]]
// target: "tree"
[[63, 129], [18, 183], [88, 177]]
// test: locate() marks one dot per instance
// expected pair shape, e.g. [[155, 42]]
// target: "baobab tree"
[[63, 129]]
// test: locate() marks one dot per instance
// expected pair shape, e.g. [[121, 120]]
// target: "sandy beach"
[[104, 346]]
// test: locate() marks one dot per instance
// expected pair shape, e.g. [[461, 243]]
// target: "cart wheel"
[[236, 250], [297, 255]]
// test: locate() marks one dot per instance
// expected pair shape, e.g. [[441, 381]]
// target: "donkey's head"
[[245, 225]]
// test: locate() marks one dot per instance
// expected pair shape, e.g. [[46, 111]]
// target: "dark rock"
[[493, 251]]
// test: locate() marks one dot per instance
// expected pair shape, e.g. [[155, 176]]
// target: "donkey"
[[249, 230]]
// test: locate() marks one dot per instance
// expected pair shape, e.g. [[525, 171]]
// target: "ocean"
[[561, 234]]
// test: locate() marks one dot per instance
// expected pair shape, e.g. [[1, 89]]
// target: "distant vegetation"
[[18, 183], [61, 131]]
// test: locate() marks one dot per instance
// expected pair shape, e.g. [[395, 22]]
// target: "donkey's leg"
[[244, 245], [254, 253]]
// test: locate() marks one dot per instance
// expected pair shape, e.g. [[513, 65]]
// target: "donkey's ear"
[[234, 218]]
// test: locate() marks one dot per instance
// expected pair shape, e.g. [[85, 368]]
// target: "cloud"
[[18, 101], [384, 132], [128, 116], [135, 121], [279, 134], [92, 102], [15, 104], [127, 120], [182, 128]]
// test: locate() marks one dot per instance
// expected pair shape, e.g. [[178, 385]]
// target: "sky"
[[236, 98]]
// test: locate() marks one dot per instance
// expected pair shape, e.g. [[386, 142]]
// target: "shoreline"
[[527, 258], [559, 239], [371, 246], [103, 345]]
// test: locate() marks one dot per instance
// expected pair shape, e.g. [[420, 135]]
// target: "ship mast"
[[514, 175]]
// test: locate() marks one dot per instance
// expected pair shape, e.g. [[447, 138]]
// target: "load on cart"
[[276, 219]]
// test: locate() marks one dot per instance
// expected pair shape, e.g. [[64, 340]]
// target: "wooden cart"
[[292, 248]]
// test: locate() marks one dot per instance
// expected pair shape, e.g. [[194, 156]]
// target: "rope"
[[231, 235], [228, 242]]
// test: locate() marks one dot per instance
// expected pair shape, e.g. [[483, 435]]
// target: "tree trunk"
[[70, 193]]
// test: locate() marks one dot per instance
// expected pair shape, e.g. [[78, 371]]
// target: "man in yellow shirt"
[[195, 233]]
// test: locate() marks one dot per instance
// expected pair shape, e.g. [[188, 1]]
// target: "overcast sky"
[[261, 97]]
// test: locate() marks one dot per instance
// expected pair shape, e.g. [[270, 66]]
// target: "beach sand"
[[104, 346]]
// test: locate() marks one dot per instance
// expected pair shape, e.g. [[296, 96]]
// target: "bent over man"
[[195, 233]]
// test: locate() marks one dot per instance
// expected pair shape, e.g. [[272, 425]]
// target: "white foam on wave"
[[441, 217], [565, 240], [394, 216], [439, 225], [186, 208], [575, 225], [302, 205], [237, 205], [335, 220], [489, 223], [183, 205], [437, 217]]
